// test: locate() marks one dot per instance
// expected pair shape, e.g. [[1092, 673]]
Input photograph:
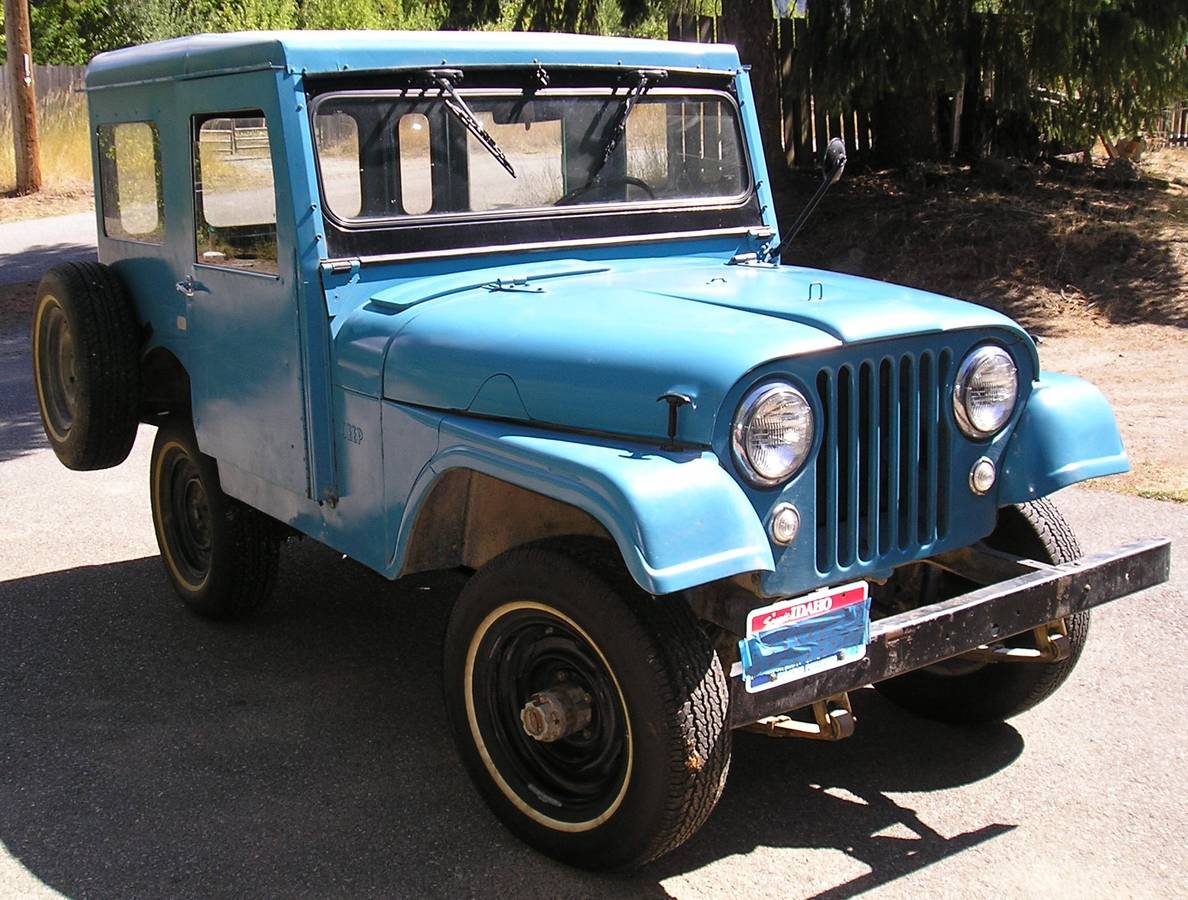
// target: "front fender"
[[1066, 434], [678, 517]]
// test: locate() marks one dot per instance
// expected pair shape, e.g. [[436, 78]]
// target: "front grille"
[[883, 467]]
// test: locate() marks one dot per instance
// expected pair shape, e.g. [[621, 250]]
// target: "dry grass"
[[1059, 249], [65, 148]]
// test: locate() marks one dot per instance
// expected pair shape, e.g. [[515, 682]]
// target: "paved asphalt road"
[[29, 247], [146, 753]]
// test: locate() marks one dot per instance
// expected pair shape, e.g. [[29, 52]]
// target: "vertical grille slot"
[[943, 447], [870, 441], [883, 470], [926, 513], [827, 505]]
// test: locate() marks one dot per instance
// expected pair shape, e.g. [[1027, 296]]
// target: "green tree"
[[252, 15], [1029, 71], [1106, 66], [71, 31]]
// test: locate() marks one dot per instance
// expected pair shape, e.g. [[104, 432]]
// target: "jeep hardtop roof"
[[335, 51]]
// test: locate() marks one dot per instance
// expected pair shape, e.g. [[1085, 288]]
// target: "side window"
[[234, 192], [130, 181], [338, 152]]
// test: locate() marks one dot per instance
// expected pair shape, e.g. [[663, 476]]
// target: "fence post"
[[793, 95]]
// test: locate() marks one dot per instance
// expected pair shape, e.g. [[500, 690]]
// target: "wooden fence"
[[807, 125], [236, 139], [47, 81], [1169, 128]]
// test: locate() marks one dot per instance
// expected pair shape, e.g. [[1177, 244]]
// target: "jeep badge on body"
[[514, 303]]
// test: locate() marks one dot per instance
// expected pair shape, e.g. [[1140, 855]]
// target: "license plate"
[[799, 637]]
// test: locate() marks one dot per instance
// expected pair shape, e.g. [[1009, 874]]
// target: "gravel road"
[[146, 753]]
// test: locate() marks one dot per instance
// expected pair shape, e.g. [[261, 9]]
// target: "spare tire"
[[86, 365]]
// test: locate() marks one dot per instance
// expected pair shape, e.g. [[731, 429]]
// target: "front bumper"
[[921, 637]]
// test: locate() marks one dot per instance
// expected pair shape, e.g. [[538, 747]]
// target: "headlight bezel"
[[744, 415], [977, 357]]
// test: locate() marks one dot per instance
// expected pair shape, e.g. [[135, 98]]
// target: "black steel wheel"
[[972, 692], [221, 556], [526, 650], [591, 717], [86, 367]]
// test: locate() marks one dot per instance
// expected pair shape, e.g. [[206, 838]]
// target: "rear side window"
[[234, 192], [130, 180]]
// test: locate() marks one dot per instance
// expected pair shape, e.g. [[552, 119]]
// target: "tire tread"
[[698, 762], [106, 336], [998, 691]]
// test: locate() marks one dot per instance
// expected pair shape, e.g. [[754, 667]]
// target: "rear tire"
[[221, 555], [997, 691], [646, 768], [86, 367]]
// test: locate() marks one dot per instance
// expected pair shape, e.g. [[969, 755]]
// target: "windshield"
[[395, 155]]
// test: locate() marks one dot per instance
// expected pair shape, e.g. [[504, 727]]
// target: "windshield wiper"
[[443, 80], [644, 79]]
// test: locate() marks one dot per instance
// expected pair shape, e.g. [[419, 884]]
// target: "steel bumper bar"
[[927, 635]]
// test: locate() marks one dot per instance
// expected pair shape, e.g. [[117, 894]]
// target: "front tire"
[[640, 745], [221, 555], [990, 692]]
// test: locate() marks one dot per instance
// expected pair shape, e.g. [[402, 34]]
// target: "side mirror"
[[835, 160], [833, 164]]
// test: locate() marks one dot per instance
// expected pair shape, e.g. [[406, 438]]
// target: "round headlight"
[[772, 433], [985, 393]]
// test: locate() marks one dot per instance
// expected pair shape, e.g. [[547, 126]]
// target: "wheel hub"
[[557, 713], [198, 514]]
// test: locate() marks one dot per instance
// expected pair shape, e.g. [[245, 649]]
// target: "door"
[[242, 294]]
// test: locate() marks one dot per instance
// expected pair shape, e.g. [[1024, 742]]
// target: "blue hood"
[[593, 345]]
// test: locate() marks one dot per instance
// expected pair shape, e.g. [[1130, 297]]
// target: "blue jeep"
[[514, 304]]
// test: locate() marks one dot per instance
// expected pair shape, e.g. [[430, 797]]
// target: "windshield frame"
[[668, 206]]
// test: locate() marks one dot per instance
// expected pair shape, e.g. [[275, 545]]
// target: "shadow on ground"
[[33, 262], [20, 425], [145, 752]]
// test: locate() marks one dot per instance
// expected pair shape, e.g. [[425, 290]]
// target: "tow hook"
[[833, 721]]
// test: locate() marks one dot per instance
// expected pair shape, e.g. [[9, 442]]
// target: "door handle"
[[186, 287]]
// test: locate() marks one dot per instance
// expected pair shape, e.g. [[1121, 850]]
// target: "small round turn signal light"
[[982, 476], [785, 524]]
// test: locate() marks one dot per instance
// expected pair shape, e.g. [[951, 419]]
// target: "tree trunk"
[[974, 137], [750, 26]]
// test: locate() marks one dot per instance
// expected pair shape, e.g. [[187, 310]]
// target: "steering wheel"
[[622, 179]]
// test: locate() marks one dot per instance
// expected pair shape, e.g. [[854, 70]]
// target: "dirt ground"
[[1143, 371], [54, 202]]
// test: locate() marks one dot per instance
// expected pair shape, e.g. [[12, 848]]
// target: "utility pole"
[[24, 102]]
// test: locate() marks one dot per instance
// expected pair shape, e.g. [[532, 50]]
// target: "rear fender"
[[678, 517]]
